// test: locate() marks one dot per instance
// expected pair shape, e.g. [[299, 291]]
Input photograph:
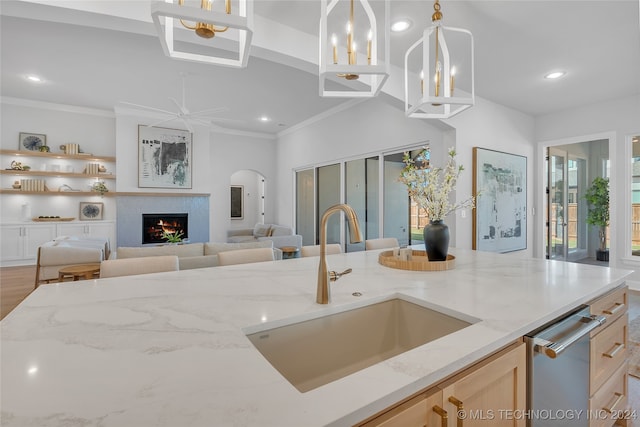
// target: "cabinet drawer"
[[612, 306], [608, 351], [609, 403]]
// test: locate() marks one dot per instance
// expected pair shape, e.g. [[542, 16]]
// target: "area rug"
[[634, 347]]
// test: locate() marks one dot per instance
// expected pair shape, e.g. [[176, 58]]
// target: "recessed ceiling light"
[[33, 78], [265, 119], [401, 25], [555, 75]]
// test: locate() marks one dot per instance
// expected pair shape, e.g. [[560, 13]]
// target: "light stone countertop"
[[170, 349]]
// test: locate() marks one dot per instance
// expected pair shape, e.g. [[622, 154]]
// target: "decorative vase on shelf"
[[436, 240]]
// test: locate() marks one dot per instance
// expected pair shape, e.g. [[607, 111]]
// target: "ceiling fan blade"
[[182, 108], [145, 107], [209, 111], [162, 121]]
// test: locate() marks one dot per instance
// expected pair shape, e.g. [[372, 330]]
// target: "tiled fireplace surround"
[[129, 211]]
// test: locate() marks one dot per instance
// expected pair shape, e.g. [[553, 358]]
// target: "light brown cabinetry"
[[489, 393], [608, 387]]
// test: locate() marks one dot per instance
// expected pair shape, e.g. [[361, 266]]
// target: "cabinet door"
[[12, 242], [491, 395], [103, 229], [416, 412], [72, 230], [36, 235]]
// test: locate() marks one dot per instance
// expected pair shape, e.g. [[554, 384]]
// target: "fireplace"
[[154, 225]]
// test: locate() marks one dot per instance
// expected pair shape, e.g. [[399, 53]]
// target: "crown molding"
[[56, 107], [321, 116]]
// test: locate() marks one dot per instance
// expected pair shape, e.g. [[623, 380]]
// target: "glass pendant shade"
[[438, 73], [190, 31], [354, 47]]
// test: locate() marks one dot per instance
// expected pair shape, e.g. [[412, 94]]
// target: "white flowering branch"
[[430, 186]]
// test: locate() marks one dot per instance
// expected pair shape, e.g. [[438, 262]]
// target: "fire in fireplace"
[[155, 225]]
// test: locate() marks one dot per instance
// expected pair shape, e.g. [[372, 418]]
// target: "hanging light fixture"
[[444, 84], [359, 71], [206, 22]]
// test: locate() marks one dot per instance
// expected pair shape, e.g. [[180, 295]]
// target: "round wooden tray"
[[419, 262]]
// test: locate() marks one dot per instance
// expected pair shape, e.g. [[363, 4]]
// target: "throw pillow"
[[261, 231]]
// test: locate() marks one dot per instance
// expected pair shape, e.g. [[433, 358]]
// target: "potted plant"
[[597, 197], [172, 237], [429, 187]]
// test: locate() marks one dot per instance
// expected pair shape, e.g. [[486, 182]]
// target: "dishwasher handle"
[[553, 349]]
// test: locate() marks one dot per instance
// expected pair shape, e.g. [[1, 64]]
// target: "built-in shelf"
[[41, 154], [163, 194], [54, 193], [56, 174], [94, 193]]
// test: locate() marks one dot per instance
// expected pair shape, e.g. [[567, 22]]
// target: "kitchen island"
[[170, 349]]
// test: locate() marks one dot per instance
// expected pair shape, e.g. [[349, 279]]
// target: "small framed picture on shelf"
[[32, 141], [91, 211]]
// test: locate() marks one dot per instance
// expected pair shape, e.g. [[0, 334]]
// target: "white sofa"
[[193, 255], [65, 251], [280, 235]]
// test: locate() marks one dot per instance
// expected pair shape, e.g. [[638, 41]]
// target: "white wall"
[[94, 130], [493, 126], [229, 154], [368, 127], [376, 126], [250, 182], [620, 119]]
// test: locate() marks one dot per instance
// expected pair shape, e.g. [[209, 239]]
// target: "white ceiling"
[[98, 60]]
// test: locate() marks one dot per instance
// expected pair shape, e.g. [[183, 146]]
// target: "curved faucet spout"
[[323, 293]]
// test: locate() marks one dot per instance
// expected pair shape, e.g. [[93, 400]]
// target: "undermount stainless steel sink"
[[315, 352]]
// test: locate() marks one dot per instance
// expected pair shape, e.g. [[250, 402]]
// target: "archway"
[[247, 198]]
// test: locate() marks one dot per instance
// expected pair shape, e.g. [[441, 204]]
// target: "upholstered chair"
[[245, 256], [381, 243], [314, 250], [135, 266]]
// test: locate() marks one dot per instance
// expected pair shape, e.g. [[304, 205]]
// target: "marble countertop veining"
[[170, 349]]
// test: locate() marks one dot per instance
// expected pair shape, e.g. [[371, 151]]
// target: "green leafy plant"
[[597, 197], [100, 187], [172, 237], [429, 186]]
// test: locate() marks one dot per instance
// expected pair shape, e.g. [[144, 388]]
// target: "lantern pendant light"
[[443, 85], [206, 21], [354, 59]]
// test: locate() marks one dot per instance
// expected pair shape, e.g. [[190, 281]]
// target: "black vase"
[[436, 240]]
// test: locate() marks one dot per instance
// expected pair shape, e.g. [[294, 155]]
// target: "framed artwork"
[[164, 157], [90, 211], [237, 207], [500, 188], [31, 141]]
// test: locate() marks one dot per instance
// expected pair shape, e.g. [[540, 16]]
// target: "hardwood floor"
[[16, 283]]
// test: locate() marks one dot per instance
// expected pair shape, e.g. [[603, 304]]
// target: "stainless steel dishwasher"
[[558, 371]]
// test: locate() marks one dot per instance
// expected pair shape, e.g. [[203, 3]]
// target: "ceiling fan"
[[201, 117]]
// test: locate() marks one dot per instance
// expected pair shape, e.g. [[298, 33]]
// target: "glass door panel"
[[328, 194], [361, 190], [396, 201], [557, 201], [305, 206], [635, 196]]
